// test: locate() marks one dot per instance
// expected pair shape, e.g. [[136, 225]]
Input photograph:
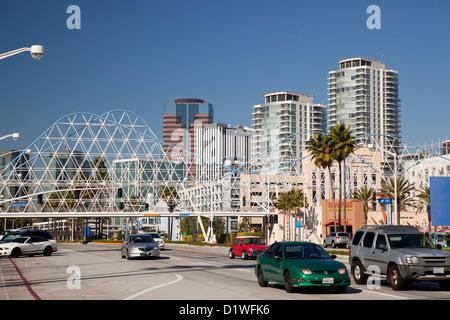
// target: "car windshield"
[[410, 241], [343, 234], [305, 251], [252, 241], [141, 239], [155, 235], [12, 236]]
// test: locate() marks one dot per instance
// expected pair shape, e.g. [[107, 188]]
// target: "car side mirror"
[[278, 258], [382, 247], [333, 256]]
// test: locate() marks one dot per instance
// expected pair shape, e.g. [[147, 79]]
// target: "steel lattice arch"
[[113, 164]]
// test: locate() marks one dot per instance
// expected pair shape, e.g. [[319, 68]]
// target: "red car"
[[247, 247]]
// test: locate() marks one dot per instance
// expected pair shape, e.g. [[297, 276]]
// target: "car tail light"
[[338, 237]]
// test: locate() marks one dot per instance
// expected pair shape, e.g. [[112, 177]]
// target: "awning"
[[331, 223]]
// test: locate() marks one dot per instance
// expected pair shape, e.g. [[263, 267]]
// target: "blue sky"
[[139, 54]]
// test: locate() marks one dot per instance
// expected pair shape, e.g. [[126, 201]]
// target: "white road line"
[[385, 294], [179, 278]]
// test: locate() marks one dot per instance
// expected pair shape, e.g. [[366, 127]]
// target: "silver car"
[[139, 246], [337, 239], [158, 239]]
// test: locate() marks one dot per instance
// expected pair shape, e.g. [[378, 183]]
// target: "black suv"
[[399, 253]]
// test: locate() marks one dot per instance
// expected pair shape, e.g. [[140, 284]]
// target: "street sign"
[[18, 204], [185, 215], [384, 200], [298, 224]]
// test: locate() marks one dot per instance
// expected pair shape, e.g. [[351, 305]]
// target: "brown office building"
[[180, 119]]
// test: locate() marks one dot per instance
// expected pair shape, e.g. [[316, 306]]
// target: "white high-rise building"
[[282, 115], [363, 94], [219, 146]]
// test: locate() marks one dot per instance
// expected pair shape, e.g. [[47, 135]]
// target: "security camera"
[[37, 52]]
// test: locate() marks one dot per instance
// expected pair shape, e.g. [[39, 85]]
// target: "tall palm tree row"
[[287, 201], [335, 146]]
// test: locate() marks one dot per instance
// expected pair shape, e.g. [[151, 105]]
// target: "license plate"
[[438, 270], [328, 280]]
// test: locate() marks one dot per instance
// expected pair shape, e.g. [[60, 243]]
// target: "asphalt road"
[[97, 272]]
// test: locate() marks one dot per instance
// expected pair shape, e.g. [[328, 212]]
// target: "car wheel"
[[261, 281], [231, 254], [288, 282], [127, 255], [358, 273], [325, 244], [395, 278], [15, 253], [333, 244], [244, 255], [48, 251]]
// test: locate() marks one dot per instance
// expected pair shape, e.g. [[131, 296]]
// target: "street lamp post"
[[396, 219], [37, 52], [16, 136]]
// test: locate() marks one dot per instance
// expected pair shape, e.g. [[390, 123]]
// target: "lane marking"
[[27, 285], [179, 278], [385, 294]]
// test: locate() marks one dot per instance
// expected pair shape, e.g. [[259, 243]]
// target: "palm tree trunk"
[[333, 197], [345, 197], [340, 196]]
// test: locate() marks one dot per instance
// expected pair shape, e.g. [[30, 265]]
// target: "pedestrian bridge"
[[113, 165]]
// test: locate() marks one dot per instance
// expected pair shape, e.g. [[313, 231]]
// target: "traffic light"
[[265, 219], [171, 207], [146, 207], [275, 218], [121, 206]]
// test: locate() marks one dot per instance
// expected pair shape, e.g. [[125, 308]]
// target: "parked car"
[[25, 245], [301, 264], [399, 253], [140, 246], [247, 247], [12, 235], [157, 237], [337, 239]]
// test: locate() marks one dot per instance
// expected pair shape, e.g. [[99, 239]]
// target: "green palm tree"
[[404, 190], [343, 144], [321, 148], [285, 202], [365, 194], [423, 202]]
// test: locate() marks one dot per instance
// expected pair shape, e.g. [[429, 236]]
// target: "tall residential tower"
[[363, 94], [283, 114]]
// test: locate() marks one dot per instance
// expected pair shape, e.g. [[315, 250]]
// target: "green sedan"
[[300, 264]]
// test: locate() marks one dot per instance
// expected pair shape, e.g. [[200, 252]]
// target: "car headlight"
[[306, 271], [250, 249], [412, 260], [342, 270]]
